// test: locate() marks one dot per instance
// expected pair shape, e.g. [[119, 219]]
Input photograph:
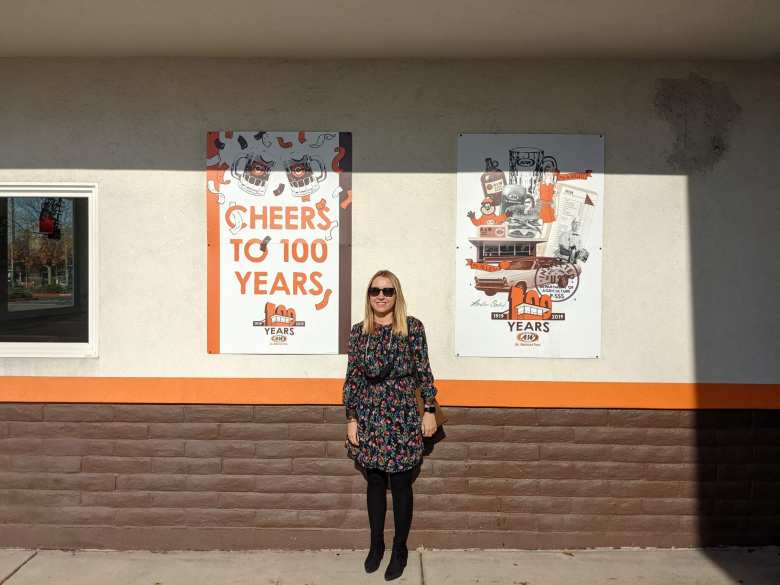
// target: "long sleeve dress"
[[389, 426]]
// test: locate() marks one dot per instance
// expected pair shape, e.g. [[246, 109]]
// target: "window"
[[47, 266], [510, 250]]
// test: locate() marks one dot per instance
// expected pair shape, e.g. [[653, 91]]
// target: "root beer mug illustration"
[[252, 172], [301, 177], [527, 165]]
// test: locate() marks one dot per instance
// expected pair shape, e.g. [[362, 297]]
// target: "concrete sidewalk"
[[747, 566]]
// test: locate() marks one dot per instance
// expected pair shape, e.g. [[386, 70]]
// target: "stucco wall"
[[689, 240]]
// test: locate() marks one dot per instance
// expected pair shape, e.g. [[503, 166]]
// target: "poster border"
[[600, 136], [213, 316]]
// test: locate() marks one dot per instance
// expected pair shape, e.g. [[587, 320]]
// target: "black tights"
[[376, 490]]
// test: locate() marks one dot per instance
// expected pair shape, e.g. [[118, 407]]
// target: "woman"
[[388, 360]]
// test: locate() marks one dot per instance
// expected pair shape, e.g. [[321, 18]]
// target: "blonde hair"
[[399, 309]]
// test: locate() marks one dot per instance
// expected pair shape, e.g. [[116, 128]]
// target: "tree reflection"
[[40, 265]]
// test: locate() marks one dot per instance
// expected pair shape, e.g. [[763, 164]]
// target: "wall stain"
[[700, 112]]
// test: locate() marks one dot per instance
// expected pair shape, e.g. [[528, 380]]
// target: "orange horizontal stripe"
[[327, 391]]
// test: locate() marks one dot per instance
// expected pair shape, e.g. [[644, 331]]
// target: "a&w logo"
[[529, 315], [279, 323]]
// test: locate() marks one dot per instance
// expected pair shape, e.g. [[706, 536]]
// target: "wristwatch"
[[429, 408]]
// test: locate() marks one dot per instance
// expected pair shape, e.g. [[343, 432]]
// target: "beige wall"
[[683, 242]]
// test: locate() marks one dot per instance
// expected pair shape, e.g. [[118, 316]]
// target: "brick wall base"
[[249, 477]]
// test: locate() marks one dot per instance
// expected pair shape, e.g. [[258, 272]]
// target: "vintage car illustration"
[[522, 272]]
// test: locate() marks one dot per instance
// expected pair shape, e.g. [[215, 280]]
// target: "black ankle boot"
[[375, 554], [395, 567]]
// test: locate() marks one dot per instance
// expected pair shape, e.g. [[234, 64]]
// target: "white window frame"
[[64, 350]]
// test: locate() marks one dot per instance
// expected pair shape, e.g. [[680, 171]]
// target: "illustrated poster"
[[278, 222], [529, 245]]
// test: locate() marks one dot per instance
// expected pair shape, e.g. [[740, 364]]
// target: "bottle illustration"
[[493, 181]]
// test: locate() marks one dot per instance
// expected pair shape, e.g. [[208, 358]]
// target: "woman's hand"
[[428, 424], [352, 432]]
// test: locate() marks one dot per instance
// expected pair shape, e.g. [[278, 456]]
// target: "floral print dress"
[[389, 425]]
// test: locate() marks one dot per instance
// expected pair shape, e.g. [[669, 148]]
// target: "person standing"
[[387, 361]]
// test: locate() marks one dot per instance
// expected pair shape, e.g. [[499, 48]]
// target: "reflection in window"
[[44, 255], [40, 253]]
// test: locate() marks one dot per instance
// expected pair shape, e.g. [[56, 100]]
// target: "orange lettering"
[[275, 222], [299, 281], [290, 217], [229, 215], [319, 250], [260, 282], [280, 284], [307, 215], [248, 251], [236, 246], [314, 277], [242, 280], [254, 217]]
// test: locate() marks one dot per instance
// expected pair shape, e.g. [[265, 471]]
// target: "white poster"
[[278, 235], [528, 252]]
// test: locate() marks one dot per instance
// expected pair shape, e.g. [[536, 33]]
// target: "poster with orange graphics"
[[278, 214], [529, 226]]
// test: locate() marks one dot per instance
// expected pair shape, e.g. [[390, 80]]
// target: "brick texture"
[[139, 476]]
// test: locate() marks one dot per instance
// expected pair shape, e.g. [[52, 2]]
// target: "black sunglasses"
[[374, 291]]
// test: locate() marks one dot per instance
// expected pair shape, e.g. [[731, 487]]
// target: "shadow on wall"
[[734, 220], [138, 120]]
